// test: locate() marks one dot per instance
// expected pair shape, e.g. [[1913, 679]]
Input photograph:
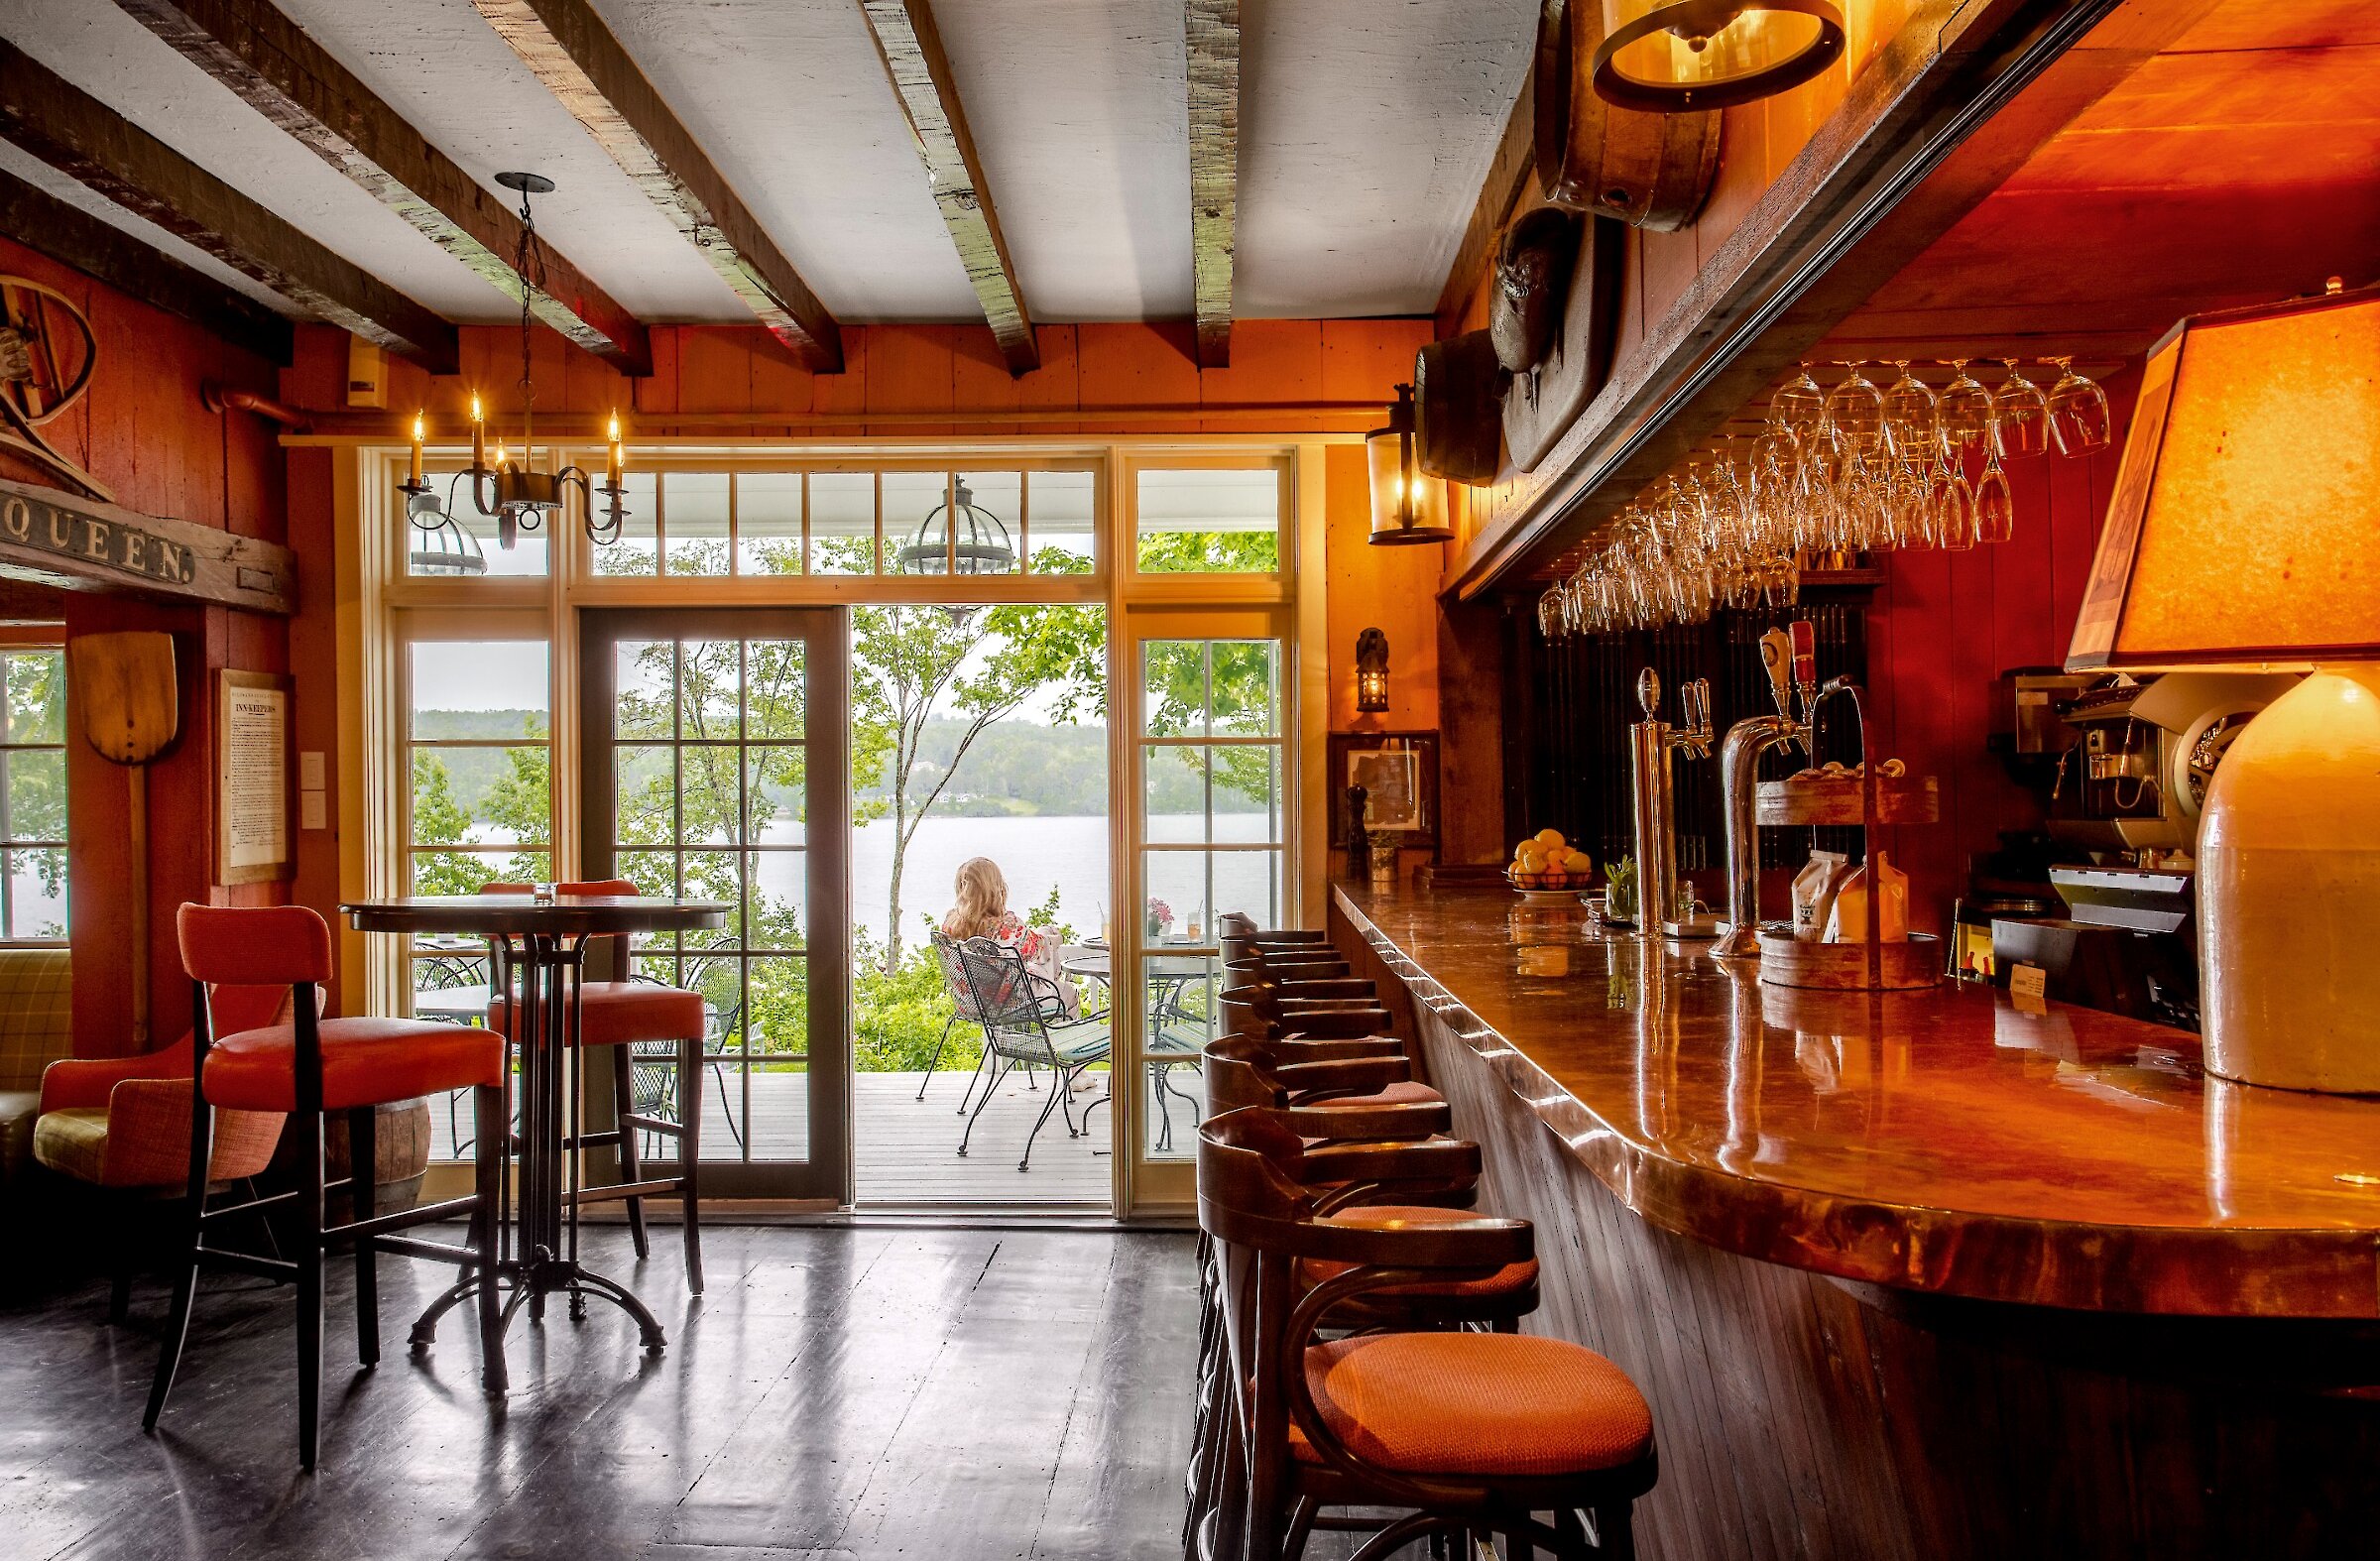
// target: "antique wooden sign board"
[[53, 537]]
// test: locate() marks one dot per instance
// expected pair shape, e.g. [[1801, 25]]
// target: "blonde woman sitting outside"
[[982, 912]]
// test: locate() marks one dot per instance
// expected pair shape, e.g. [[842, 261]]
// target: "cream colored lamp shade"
[[1408, 504], [1675, 57], [2244, 530]]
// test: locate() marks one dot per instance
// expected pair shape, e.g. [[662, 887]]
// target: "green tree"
[[909, 661], [35, 682]]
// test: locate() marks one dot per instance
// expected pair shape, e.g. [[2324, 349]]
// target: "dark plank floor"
[[839, 1393]]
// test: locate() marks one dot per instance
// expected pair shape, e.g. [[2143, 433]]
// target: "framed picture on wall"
[[252, 777], [1398, 771]]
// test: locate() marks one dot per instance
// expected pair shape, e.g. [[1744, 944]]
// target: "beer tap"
[[1790, 656], [1654, 791]]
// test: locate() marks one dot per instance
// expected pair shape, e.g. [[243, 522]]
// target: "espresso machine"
[[2126, 789]]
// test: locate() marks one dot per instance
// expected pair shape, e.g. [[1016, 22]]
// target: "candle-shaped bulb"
[[418, 431], [479, 435], [613, 459]]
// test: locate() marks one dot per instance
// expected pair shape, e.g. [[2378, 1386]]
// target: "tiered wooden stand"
[[1866, 800]]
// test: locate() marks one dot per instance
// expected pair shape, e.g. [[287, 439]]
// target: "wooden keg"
[[1650, 171], [1459, 409], [401, 1157]]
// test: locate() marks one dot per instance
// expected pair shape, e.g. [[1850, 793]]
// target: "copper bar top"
[[1939, 1142]]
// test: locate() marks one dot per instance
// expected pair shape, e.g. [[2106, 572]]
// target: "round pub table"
[[540, 946]]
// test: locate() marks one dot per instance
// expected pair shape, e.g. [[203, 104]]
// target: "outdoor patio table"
[[540, 949]]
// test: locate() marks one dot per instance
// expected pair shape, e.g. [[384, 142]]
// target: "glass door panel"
[[1212, 826], [722, 782]]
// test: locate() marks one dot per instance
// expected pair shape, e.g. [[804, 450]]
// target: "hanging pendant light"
[[970, 539], [1675, 57], [1408, 504], [444, 549], [510, 492]]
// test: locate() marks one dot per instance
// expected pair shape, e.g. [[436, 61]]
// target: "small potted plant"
[[1158, 920]]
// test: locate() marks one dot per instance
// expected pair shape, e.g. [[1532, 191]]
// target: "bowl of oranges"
[[1546, 867]]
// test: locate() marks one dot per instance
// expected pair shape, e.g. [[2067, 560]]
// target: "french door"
[[716, 766]]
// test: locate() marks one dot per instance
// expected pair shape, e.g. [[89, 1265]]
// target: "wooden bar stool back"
[[305, 1068], [629, 1014], [1461, 1432]]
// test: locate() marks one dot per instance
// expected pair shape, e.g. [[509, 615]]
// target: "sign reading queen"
[[92, 540]]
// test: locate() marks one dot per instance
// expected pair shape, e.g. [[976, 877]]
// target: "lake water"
[[1068, 853]]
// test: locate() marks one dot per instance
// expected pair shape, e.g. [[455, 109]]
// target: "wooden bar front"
[[1913, 1274]]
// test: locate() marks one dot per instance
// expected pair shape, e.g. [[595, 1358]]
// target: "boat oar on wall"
[[131, 713]]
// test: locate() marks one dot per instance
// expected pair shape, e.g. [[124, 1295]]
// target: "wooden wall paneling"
[[909, 372], [980, 379], [314, 663], [714, 374], [779, 388], [1369, 358], [1134, 365], [1272, 360], [846, 392], [658, 394], [1393, 589]]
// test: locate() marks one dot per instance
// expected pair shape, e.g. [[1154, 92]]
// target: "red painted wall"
[[142, 431]]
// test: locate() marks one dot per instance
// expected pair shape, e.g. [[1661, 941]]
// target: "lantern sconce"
[[1408, 504], [1680, 57], [1371, 673]]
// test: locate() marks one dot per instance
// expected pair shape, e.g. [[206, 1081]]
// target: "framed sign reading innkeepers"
[[252, 777]]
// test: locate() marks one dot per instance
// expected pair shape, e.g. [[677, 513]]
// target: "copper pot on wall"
[[1459, 409], [1650, 171]]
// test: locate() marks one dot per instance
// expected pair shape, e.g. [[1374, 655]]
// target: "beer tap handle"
[[1776, 656], [1694, 705], [1805, 664]]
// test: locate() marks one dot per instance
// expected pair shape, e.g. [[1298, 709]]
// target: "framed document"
[[1398, 771], [252, 777]]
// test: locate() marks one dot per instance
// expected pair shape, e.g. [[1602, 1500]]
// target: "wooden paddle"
[[131, 713]]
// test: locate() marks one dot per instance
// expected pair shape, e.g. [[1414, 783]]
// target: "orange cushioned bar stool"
[[629, 1014], [308, 1067], [1461, 1433], [123, 1124]]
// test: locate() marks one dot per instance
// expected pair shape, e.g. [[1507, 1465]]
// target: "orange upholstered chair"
[[123, 1124], [1458, 1432], [304, 1068], [628, 1013]]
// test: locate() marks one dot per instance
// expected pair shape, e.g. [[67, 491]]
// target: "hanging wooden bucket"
[[1650, 171], [1541, 404], [1532, 278], [1457, 418]]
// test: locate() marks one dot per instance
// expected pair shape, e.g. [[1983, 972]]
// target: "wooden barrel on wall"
[[1650, 171]]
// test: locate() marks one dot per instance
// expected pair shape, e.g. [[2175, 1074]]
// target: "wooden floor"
[[839, 1393]]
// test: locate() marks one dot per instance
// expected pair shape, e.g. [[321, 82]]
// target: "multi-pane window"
[[1214, 831], [33, 795], [909, 521], [1208, 521], [480, 752]]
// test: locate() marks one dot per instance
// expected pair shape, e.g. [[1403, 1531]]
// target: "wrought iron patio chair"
[[1026, 1024], [653, 1080], [961, 1002]]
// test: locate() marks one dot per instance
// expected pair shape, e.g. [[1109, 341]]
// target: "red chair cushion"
[[1475, 1403], [619, 1012], [1403, 1216], [365, 1061]]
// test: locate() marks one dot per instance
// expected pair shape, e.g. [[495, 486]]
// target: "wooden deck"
[[905, 1149]]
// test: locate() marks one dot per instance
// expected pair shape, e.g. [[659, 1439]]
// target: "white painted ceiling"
[[1366, 128]]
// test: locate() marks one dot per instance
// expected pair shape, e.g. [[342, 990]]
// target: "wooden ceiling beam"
[[1211, 30], [53, 120], [566, 45], [73, 237], [910, 47], [270, 63]]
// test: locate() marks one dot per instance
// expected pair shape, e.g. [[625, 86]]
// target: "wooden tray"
[[1834, 800], [1842, 967]]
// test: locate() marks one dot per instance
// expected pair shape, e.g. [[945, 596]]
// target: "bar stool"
[[628, 1014], [1462, 1431], [305, 1068]]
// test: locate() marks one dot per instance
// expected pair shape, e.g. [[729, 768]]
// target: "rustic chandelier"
[[516, 497]]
